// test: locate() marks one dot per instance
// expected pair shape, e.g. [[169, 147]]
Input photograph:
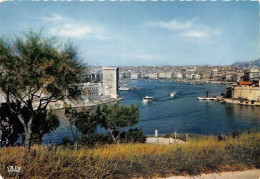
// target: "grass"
[[202, 154]]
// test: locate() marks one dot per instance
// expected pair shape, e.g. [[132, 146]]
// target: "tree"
[[12, 128], [83, 120], [115, 118], [36, 71]]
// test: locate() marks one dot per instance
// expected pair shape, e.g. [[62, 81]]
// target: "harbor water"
[[182, 113]]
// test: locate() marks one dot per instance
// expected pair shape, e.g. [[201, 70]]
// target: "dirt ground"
[[248, 174], [161, 140]]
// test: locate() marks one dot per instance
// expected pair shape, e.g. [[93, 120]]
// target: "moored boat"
[[207, 97], [124, 88]]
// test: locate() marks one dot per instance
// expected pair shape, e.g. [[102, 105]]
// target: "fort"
[[243, 93]]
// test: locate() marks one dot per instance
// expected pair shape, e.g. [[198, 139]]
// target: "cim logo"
[[14, 169]]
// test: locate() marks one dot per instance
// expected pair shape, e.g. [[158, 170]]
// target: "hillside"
[[201, 154], [247, 64]]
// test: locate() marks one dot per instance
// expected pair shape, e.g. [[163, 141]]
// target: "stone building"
[[251, 93], [110, 81], [243, 91]]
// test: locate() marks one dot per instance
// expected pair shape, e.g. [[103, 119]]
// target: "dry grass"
[[200, 155]]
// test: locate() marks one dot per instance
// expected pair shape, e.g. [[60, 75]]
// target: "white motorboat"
[[147, 99], [172, 94]]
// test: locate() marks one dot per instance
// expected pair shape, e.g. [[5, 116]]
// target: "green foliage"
[[133, 136], [10, 126], [12, 129], [83, 120], [115, 118], [46, 122], [95, 140], [35, 71]]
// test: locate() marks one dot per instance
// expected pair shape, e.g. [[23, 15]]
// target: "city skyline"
[[144, 33]]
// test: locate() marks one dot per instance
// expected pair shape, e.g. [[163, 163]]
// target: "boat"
[[124, 88], [172, 94], [147, 99], [207, 97]]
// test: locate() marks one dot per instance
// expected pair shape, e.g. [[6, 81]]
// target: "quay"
[[236, 101]]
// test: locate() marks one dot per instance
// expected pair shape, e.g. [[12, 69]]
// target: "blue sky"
[[144, 33]]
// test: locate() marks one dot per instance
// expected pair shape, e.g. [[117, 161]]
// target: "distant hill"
[[247, 64]]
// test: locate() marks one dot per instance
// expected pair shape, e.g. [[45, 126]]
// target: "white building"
[[153, 76], [135, 76], [92, 91], [178, 75], [165, 75]]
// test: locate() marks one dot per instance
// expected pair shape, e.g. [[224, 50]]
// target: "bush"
[[133, 136], [66, 141], [96, 139]]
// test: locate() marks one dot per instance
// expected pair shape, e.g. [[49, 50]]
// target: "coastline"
[[61, 105], [236, 101]]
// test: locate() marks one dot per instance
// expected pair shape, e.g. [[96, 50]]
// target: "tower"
[[110, 81]]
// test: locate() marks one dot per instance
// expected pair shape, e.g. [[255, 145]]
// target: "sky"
[[143, 33]]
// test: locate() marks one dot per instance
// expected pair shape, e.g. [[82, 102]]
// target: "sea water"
[[182, 113]]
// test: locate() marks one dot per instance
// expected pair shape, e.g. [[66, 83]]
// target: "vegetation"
[[202, 154], [116, 118], [36, 71], [113, 118]]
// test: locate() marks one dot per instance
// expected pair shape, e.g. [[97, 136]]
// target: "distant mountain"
[[247, 64]]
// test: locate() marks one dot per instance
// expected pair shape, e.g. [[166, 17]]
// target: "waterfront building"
[[135, 76], [152, 76], [110, 81], [205, 76], [165, 75], [197, 76], [214, 73], [250, 93], [178, 75], [243, 92], [93, 91], [189, 76]]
